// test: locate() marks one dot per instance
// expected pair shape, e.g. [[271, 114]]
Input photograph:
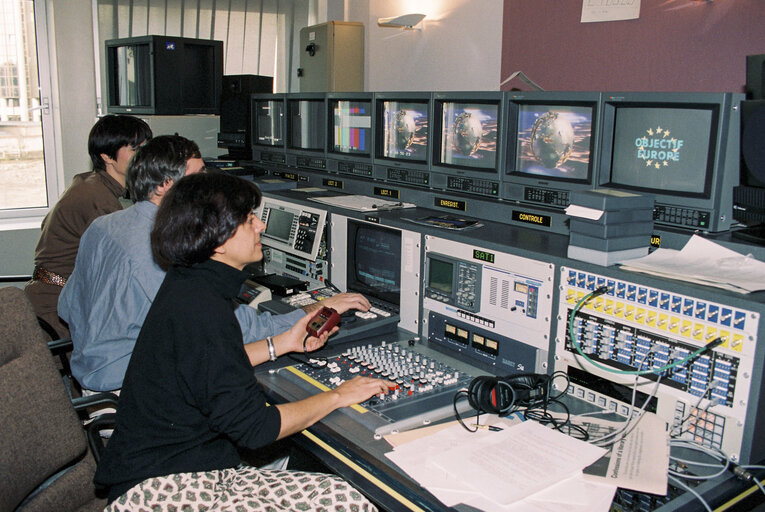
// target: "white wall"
[[457, 47]]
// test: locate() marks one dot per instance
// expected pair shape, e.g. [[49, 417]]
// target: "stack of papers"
[[362, 203], [525, 467], [704, 262]]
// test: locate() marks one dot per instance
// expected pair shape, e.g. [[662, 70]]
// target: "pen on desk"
[[490, 428]]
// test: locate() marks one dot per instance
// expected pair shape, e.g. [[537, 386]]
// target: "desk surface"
[[347, 445]]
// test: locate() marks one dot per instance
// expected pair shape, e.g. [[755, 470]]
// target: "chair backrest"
[[41, 433]]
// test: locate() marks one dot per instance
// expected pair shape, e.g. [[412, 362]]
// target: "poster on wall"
[[609, 10]]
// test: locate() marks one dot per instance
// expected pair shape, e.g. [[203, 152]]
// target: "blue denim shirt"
[[107, 297]]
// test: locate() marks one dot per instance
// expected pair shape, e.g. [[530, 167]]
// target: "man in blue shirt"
[[115, 278]]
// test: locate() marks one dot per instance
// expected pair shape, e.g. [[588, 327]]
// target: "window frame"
[[26, 218]]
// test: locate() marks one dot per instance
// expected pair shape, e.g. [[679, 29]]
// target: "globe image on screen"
[[405, 129], [552, 139], [467, 133]]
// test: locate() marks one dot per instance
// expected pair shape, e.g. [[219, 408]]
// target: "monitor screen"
[[351, 126], [440, 275], [668, 148], [404, 130], [132, 72], [468, 135], [279, 224], [268, 116], [554, 141], [374, 261], [307, 124]]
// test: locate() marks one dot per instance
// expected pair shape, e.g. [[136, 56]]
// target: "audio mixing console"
[[424, 382]]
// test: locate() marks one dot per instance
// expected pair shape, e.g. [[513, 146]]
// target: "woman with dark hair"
[[189, 398]]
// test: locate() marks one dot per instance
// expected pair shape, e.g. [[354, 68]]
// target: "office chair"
[[44, 458]]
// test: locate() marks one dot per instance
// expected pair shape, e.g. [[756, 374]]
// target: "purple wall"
[[675, 45]]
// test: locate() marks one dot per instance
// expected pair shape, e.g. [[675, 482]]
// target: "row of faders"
[[633, 327]]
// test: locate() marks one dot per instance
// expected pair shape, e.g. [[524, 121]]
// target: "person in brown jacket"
[[111, 144]]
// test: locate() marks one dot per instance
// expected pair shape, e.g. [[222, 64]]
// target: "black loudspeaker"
[[749, 197], [235, 120], [755, 76]]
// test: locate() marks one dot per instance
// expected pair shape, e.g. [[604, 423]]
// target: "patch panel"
[[635, 327]]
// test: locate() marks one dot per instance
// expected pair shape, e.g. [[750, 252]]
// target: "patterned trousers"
[[242, 489]]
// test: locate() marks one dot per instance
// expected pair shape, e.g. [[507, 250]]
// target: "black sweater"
[[189, 397]]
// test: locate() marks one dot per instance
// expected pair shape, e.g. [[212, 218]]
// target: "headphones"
[[503, 395]]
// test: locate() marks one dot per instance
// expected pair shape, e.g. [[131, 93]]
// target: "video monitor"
[[306, 121], [682, 148], [552, 144], [468, 134], [403, 130], [350, 133], [269, 122], [374, 261], [351, 127]]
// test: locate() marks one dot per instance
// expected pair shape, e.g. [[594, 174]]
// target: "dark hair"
[[112, 132], [198, 214], [161, 159]]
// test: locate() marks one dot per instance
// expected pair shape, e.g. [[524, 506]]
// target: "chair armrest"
[[105, 398], [93, 432]]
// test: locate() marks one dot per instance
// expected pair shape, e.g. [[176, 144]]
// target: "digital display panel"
[[667, 149], [269, 122], [307, 124], [405, 130], [469, 135], [352, 127], [554, 141], [279, 224], [440, 276]]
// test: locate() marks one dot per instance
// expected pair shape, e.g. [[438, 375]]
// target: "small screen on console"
[[279, 224], [554, 141], [469, 135], [405, 130], [374, 261], [440, 275], [666, 149], [352, 127]]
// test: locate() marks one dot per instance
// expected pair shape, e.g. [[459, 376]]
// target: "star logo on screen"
[[657, 148]]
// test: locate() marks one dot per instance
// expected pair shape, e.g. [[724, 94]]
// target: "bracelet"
[[271, 349]]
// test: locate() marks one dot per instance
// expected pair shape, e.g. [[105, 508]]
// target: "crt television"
[[164, 75], [467, 149], [682, 148], [350, 133], [268, 128], [307, 130], [552, 146], [402, 137]]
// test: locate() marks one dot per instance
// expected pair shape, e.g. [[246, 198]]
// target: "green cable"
[[600, 291]]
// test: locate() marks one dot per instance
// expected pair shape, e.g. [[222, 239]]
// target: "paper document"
[[638, 462], [362, 203], [704, 262], [513, 470], [583, 212]]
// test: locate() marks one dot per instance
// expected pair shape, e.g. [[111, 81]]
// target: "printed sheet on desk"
[[704, 262], [525, 467]]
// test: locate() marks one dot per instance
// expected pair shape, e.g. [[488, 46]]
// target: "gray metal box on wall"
[[332, 57]]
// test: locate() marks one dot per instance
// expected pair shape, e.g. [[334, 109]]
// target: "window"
[[26, 188]]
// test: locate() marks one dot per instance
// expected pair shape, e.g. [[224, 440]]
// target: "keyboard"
[[381, 318]]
